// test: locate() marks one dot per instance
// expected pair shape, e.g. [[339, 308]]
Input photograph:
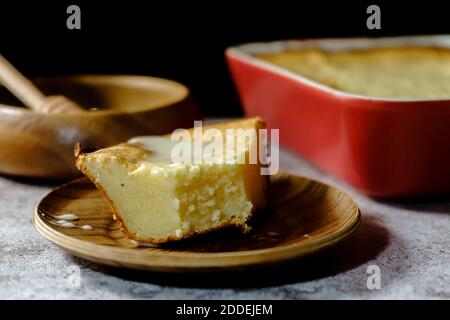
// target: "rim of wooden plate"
[[193, 261]]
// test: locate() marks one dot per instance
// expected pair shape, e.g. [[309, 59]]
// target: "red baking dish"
[[384, 147]]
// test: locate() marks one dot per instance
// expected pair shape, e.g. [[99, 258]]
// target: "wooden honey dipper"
[[31, 96]]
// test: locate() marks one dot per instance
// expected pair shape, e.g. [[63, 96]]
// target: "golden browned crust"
[[255, 122], [236, 224]]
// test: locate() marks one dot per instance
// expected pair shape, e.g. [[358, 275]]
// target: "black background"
[[185, 40]]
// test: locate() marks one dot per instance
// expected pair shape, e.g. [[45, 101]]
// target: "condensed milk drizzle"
[[64, 220]]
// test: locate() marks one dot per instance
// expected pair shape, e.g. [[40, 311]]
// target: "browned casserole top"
[[404, 72]]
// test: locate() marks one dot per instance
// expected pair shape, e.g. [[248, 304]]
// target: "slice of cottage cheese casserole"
[[158, 200]]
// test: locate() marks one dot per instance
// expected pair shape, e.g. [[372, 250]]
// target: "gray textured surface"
[[408, 241]]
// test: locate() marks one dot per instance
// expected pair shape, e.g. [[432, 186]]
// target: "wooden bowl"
[[304, 217], [41, 145]]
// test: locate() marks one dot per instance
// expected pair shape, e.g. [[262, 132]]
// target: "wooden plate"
[[305, 216]]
